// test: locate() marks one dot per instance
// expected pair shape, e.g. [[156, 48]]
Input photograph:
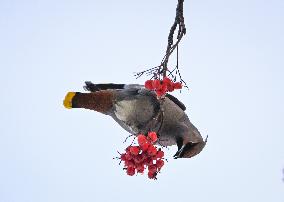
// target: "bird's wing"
[[105, 86], [89, 86], [176, 101]]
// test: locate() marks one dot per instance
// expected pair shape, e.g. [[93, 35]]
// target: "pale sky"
[[231, 58]]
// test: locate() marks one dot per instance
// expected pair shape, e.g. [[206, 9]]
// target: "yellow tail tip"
[[68, 100]]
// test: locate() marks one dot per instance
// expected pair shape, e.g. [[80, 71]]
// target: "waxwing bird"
[[138, 110]]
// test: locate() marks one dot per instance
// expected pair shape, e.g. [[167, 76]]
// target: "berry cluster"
[[145, 155], [162, 86]]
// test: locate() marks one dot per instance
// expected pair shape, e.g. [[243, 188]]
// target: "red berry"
[[160, 154], [128, 149], [148, 161], [144, 155], [128, 157], [177, 85], [129, 163], [138, 159], [152, 151], [167, 80], [160, 163], [141, 139], [134, 150], [170, 87], [156, 83], [154, 157], [145, 146], [163, 87], [152, 136], [130, 171], [161, 91], [149, 85], [152, 175], [152, 168], [122, 157], [140, 169]]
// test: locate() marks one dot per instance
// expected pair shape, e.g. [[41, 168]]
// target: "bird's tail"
[[101, 101]]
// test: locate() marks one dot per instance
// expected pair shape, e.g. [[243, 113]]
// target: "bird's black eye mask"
[[190, 149], [186, 148]]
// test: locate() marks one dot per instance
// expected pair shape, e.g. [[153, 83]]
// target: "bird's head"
[[190, 149]]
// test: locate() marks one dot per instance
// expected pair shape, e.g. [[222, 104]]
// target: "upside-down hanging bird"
[[138, 110]]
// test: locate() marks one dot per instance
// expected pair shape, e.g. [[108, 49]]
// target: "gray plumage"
[[138, 110]]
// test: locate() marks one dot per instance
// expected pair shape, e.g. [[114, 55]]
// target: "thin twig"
[[128, 137], [179, 20], [162, 70]]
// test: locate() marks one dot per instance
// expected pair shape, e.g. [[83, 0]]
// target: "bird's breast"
[[134, 113]]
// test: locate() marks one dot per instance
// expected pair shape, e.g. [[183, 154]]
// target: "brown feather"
[[101, 101]]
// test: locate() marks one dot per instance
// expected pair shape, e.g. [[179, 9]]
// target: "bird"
[[139, 110]]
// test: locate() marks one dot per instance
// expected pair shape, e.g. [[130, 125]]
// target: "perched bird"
[[138, 110]]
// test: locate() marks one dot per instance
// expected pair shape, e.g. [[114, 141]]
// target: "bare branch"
[[179, 20], [162, 70]]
